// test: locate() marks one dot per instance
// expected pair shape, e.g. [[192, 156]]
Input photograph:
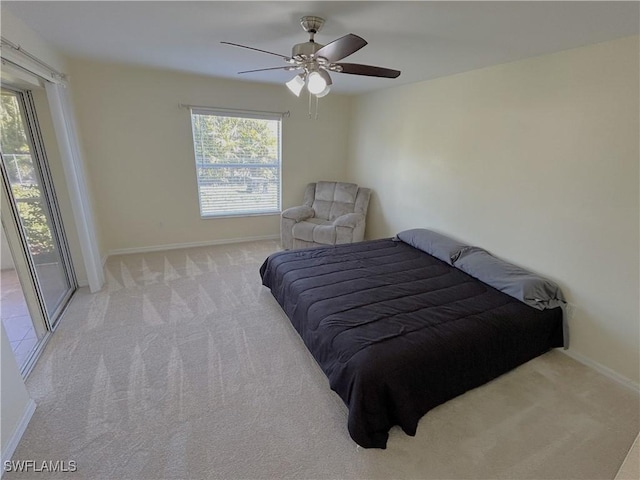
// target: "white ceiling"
[[422, 39]]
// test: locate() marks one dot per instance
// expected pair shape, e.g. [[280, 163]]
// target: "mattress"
[[398, 332]]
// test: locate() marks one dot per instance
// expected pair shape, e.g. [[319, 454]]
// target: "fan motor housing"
[[305, 50]]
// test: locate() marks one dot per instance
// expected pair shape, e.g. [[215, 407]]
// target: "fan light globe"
[[324, 92], [316, 84], [295, 85]]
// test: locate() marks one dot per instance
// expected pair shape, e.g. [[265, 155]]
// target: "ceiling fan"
[[315, 61]]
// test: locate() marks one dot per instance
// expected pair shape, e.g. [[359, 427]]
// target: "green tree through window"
[[26, 190]]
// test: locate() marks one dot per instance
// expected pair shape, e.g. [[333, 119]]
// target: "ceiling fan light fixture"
[[315, 61], [324, 92], [296, 84], [318, 81]]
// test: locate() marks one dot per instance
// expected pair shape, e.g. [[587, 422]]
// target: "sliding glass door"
[[32, 209]]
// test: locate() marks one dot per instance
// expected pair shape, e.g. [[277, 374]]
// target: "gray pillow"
[[433, 243], [528, 287]]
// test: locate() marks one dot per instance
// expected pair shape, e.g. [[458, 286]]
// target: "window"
[[237, 162]]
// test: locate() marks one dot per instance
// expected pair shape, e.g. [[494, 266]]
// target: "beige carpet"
[[185, 367]]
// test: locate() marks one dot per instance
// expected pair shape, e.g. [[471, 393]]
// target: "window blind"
[[238, 162]]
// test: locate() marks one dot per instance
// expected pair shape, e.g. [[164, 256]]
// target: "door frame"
[[44, 323]]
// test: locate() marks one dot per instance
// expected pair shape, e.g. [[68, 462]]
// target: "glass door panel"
[[25, 176], [14, 311]]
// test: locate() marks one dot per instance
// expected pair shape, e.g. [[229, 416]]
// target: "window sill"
[[240, 215]]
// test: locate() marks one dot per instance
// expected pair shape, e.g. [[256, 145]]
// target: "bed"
[[398, 331]]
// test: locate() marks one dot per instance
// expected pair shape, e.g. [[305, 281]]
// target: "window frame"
[[244, 114]]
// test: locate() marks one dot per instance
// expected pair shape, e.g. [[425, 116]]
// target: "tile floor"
[[15, 317]]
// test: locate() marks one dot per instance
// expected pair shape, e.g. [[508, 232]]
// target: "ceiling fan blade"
[[272, 68], [257, 50], [369, 70], [341, 48]]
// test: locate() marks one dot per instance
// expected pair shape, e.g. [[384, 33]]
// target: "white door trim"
[[73, 166]]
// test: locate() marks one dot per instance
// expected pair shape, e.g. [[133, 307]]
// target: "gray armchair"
[[332, 213]]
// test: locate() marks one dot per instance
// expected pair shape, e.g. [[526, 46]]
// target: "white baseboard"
[[175, 246], [606, 371], [14, 440]]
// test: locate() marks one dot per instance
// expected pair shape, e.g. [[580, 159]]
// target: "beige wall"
[[140, 150], [536, 161], [15, 399]]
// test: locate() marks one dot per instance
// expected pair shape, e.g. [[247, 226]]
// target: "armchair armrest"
[[350, 220], [298, 213]]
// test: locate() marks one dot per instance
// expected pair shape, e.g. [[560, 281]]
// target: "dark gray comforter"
[[398, 332]]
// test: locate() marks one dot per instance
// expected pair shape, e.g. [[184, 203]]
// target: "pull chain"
[[311, 115]]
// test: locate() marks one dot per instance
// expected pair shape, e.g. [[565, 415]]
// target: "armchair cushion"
[[334, 199], [315, 230]]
